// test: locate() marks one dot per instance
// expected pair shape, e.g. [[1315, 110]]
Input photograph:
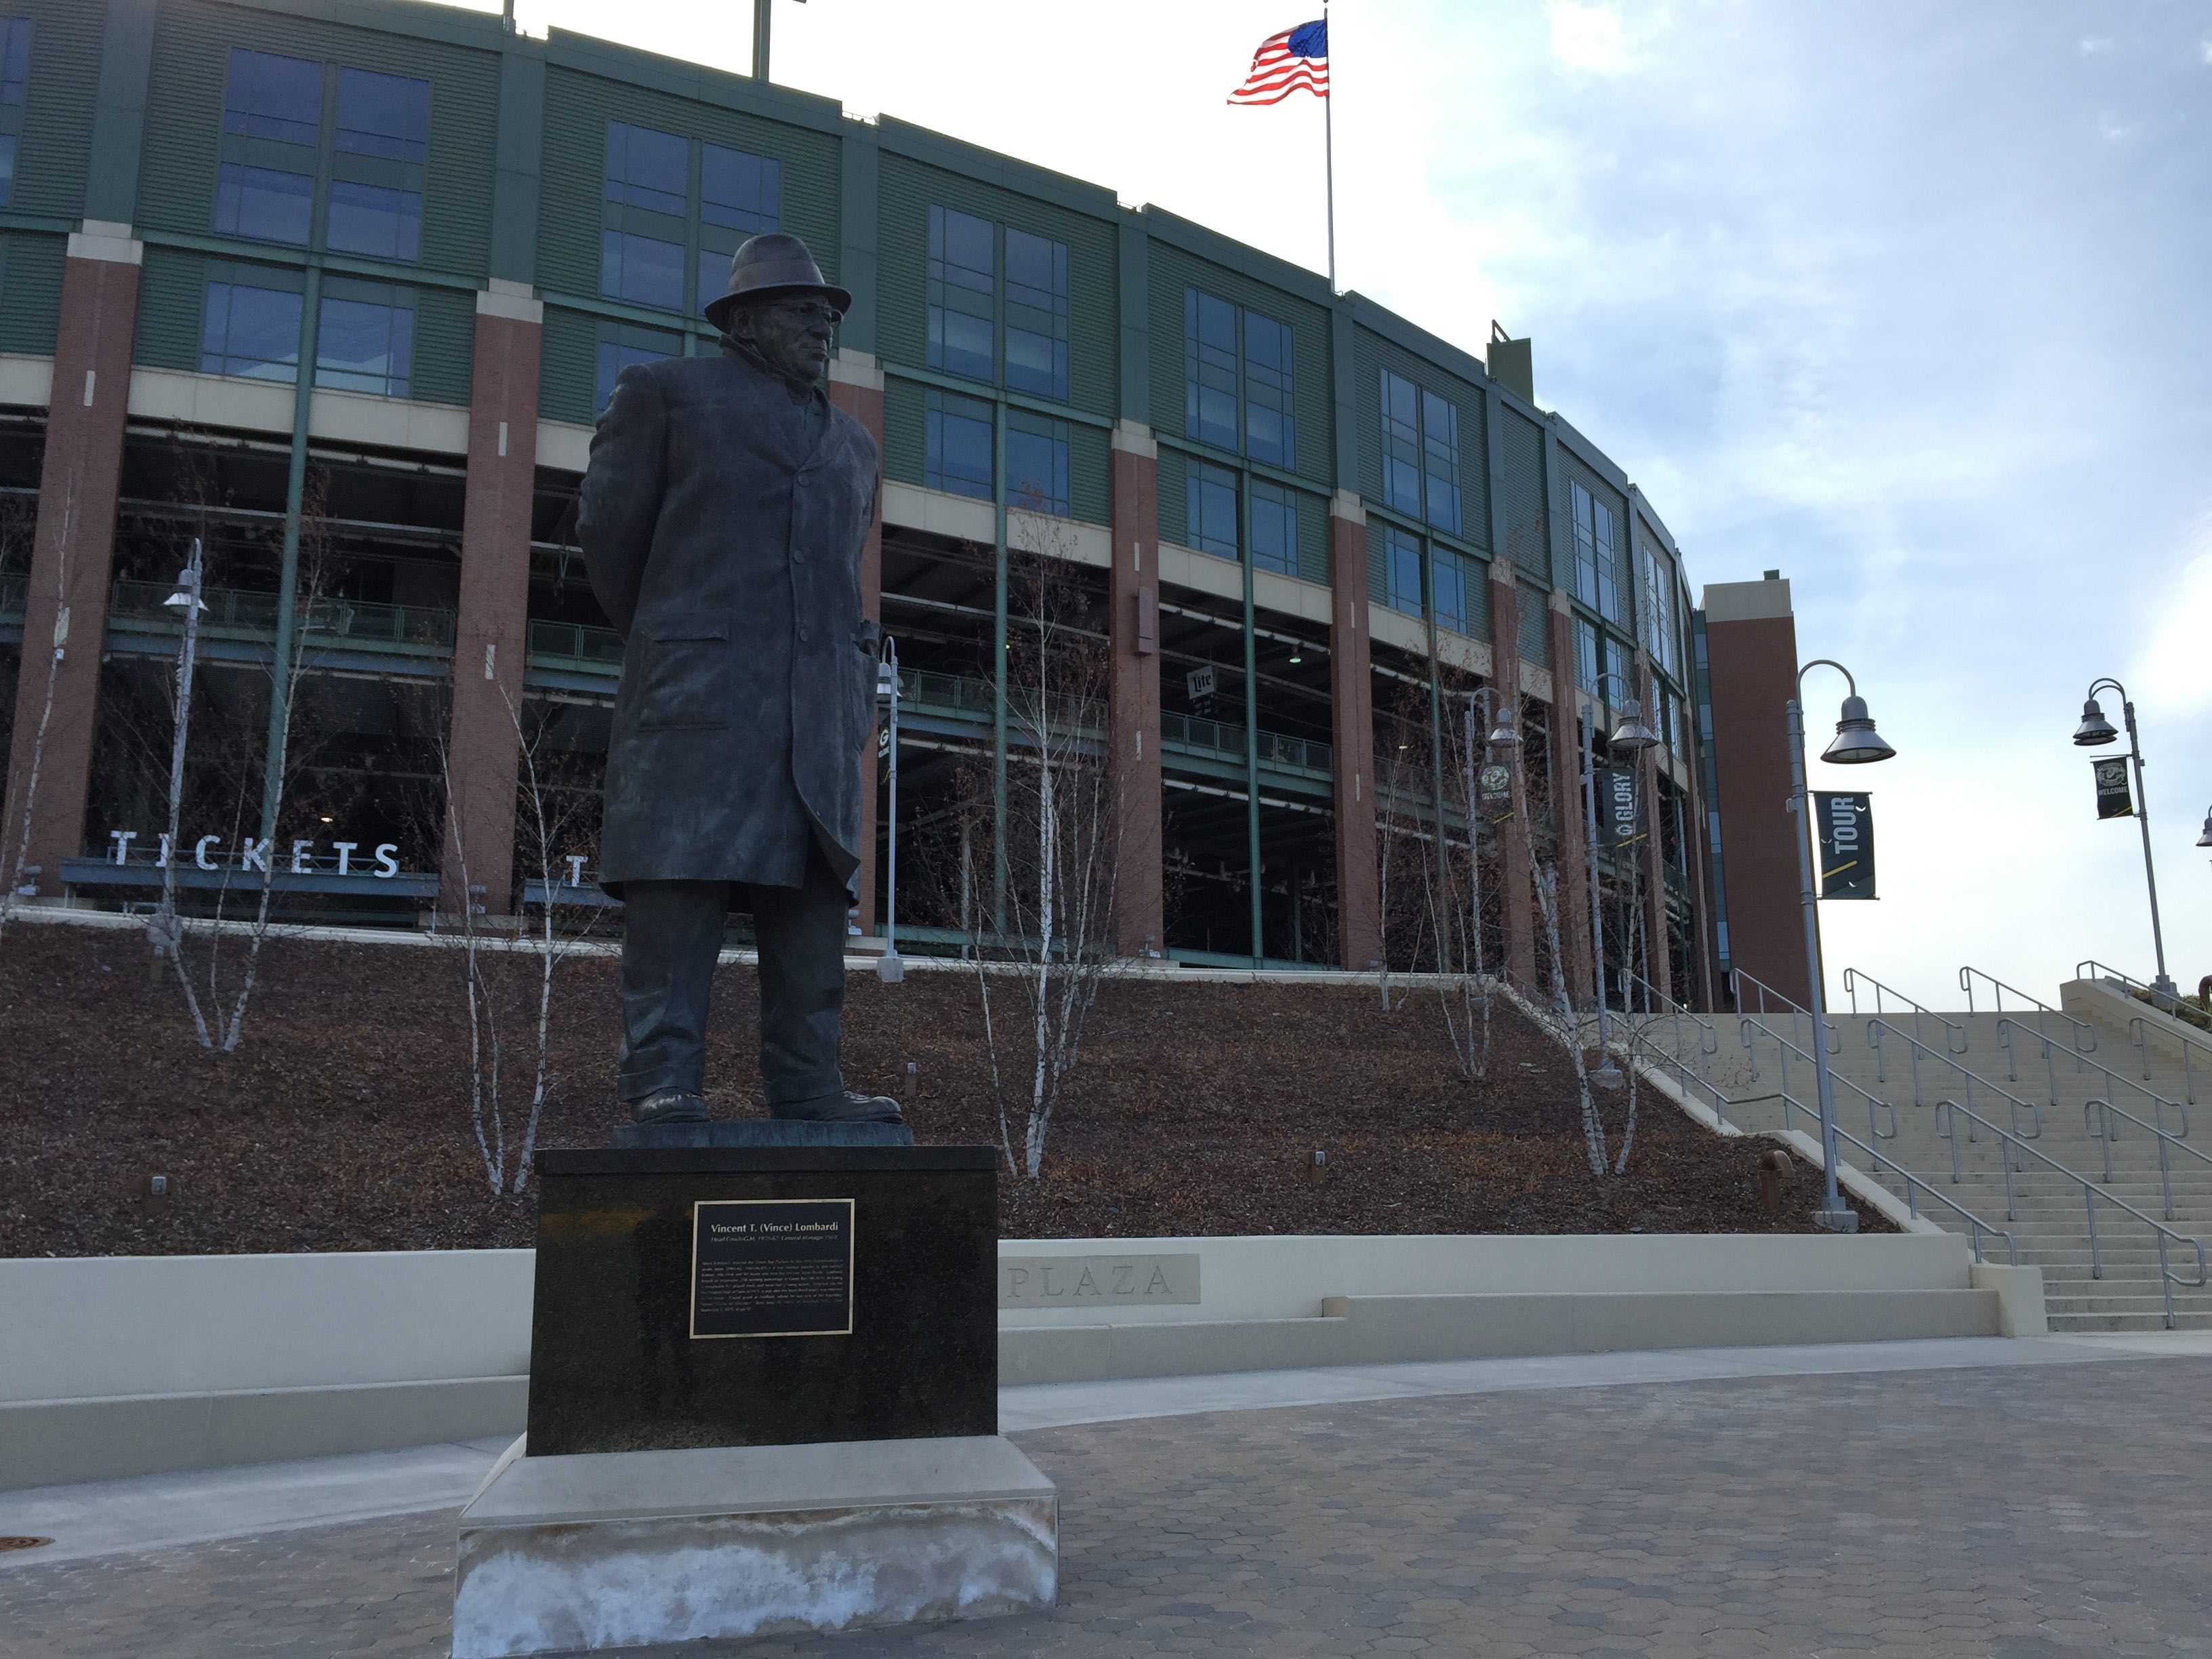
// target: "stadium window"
[[363, 346], [621, 344], [1586, 656], [272, 97], [963, 294], [1581, 507], [1402, 570], [1212, 508], [1036, 463], [1274, 529], [1440, 446], [1270, 430], [383, 115], [376, 220], [1037, 315], [1612, 600], [1402, 444], [959, 445], [252, 332], [15, 86], [643, 269], [1662, 629], [740, 196], [1210, 369], [647, 169], [265, 204], [1448, 580]]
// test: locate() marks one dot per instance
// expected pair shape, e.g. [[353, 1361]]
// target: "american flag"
[[1295, 59]]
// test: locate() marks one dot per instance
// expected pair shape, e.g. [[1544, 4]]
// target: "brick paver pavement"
[[1933, 1514]]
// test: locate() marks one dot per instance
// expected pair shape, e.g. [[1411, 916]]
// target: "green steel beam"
[[1134, 296], [119, 122], [520, 166], [859, 200]]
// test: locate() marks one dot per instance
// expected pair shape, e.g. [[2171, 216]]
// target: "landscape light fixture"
[[2095, 731], [1857, 744], [1632, 734], [186, 596], [1297, 655], [2205, 840]]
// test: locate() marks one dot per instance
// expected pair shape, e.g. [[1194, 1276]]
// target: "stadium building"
[[338, 286]]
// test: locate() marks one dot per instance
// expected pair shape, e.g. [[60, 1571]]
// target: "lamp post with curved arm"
[[1633, 735], [2095, 731], [1503, 735], [1855, 743]]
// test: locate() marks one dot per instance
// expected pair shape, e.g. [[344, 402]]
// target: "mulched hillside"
[[342, 1122]]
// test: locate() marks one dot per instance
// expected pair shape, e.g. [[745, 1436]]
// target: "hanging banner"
[[1616, 809], [1199, 684], [1495, 783], [1845, 827], [2114, 799]]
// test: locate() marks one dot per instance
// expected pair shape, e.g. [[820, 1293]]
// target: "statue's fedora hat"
[[772, 264]]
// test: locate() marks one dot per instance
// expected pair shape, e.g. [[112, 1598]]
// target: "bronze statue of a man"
[[722, 520]]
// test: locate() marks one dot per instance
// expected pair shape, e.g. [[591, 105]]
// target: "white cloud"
[[2114, 131], [2173, 674], [1589, 37], [2095, 45], [2205, 49]]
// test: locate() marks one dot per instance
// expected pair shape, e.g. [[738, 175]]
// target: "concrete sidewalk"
[[162, 1511]]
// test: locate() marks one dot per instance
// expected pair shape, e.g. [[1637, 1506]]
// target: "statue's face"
[[792, 334]]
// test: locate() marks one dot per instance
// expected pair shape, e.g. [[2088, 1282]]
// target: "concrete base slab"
[[628, 1549]]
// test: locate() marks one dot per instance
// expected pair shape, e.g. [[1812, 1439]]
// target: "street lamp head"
[[1856, 743], [186, 596], [1501, 734], [2094, 729], [1632, 734], [2205, 840]]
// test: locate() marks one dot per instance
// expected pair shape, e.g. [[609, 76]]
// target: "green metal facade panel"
[[907, 189], [1175, 497], [444, 345], [54, 142], [30, 291], [1371, 354], [904, 439], [567, 367], [1378, 579], [1525, 516], [1313, 538], [184, 119], [1174, 272], [172, 291], [1089, 474], [1535, 609], [578, 107]]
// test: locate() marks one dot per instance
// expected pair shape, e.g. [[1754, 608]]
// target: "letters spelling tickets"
[[772, 1267]]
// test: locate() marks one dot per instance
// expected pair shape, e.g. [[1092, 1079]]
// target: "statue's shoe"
[[845, 1108], [670, 1106]]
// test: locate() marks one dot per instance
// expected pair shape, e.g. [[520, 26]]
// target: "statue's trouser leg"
[[671, 935], [802, 979]]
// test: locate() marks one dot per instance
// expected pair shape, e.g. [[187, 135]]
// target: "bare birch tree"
[[12, 879], [1059, 836]]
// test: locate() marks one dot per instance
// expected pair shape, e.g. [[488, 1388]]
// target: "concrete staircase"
[[2050, 1212]]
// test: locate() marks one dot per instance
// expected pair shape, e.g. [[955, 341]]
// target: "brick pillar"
[[1133, 591], [1573, 843], [73, 550], [491, 633], [1660, 947], [1751, 659], [856, 385], [1351, 700], [1519, 905]]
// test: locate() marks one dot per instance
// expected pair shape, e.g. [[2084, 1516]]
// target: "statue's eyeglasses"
[[810, 311]]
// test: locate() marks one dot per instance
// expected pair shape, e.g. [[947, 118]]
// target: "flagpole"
[[1329, 143]]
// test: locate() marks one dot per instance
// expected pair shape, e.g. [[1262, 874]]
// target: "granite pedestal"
[[763, 1397]]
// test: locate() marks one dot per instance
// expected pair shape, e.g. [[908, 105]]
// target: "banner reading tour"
[[1844, 823]]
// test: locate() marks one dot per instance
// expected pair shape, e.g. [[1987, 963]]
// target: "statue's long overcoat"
[[722, 520]]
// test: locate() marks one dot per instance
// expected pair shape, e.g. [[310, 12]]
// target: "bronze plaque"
[[775, 1267]]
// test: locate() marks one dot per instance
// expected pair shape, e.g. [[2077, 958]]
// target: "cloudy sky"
[[1913, 302]]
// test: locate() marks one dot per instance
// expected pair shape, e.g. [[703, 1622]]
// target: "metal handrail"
[[2006, 1031], [1709, 1036], [1952, 1031], [1947, 1110], [2151, 993], [1786, 1047], [1969, 974], [1738, 979], [1877, 1025], [1914, 1185], [2139, 1034], [2100, 1128]]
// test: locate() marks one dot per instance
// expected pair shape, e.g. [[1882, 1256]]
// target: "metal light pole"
[[2095, 731], [1633, 735], [761, 12], [889, 970], [1855, 743], [185, 599], [1502, 736]]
